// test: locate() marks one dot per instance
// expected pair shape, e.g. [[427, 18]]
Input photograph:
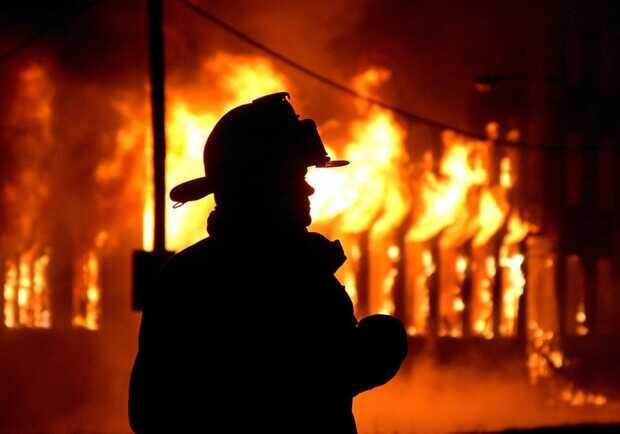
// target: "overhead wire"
[[410, 116], [413, 117]]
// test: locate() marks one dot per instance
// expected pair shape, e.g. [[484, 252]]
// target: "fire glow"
[[27, 289], [436, 240], [455, 208]]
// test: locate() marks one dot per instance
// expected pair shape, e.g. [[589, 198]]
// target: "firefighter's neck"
[[250, 220]]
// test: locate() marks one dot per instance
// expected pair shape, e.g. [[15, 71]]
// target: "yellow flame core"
[[506, 175], [491, 215], [513, 279], [239, 80], [387, 304], [418, 322], [26, 292], [41, 295], [351, 286], [10, 293], [444, 196], [483, 321], [186, 133], [368, 194], [87, 292]]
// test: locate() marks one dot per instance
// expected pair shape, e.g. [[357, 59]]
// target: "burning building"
[[496, 254]]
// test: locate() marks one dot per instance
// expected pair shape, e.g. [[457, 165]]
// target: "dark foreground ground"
[[580, 429]]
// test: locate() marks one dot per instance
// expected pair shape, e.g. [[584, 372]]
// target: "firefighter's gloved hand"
[[381, 348]]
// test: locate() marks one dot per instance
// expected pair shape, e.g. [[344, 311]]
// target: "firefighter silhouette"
[[248, 330]]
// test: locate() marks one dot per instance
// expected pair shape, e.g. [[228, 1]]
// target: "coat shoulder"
[[190, 256]]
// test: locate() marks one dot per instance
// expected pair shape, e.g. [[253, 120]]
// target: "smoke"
[[432, 396]]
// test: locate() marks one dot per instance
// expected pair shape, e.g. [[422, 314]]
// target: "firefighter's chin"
[[300, 216]]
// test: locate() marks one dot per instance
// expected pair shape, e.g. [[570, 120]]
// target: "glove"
[[382, 346]]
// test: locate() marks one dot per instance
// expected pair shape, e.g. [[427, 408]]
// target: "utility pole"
[[158, 113], [147, 264]]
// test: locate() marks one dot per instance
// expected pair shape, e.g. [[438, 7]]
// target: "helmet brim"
[[332, 163], [198, 188], [191, 190]]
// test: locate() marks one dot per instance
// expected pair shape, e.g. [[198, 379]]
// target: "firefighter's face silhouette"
[[287, 194]]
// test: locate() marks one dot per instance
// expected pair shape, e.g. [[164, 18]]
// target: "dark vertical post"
[[561, 204], [400, 291], [521, 310], [466, 290], [156, 62], [560, 279], [146, 264], [3, 271], [62, 272], [363, 275], [498, 283], [433, 289], [596, 229]]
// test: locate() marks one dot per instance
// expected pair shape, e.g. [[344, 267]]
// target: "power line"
[[351, 92], [44, 32]]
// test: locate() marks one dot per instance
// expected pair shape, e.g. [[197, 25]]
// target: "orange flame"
[[370, 194], [457, 203], [10, 293], [87, 292], [444, 197], [513, 278], [26, 292], [239, 79]]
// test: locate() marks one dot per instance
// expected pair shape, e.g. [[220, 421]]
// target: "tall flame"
[[511, 262], [26, 291], [87, 292], [370, 193], [238, 79], [444, 197]]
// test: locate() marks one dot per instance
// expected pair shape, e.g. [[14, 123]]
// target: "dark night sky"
[[433, 48]]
